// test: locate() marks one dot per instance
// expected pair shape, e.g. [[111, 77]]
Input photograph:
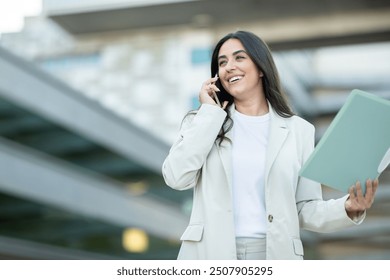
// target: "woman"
[[243, 159]]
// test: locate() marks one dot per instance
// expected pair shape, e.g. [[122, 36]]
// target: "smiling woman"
[[243, 159], [12, 14]]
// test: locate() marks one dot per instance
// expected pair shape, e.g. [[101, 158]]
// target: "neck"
[[252, 107]]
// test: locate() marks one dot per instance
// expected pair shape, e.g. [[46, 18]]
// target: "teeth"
[[235, 78]]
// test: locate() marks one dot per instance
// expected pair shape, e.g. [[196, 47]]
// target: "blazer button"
[[270, 218]]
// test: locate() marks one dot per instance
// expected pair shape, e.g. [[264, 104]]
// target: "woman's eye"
[[240, 57], [221, 63]]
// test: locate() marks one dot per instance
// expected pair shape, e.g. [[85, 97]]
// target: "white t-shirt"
[[250, 138]]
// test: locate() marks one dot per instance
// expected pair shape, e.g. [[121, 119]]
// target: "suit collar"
[[278, 131], [225, 151], [276, 121]]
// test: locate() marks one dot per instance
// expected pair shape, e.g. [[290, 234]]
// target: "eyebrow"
[[234, 53]]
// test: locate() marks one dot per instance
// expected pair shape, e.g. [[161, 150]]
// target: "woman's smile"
[[235, 79]]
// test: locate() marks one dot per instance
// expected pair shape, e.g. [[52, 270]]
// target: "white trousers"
[[251, 248]]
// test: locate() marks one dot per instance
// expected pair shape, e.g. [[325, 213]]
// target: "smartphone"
[[215, 93], [222, 95]]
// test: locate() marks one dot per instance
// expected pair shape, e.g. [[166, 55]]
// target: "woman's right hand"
[[207, 92]]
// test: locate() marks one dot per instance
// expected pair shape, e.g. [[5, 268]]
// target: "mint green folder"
[[355, 147]]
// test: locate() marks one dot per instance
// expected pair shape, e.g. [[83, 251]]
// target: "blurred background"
[[92, 94]]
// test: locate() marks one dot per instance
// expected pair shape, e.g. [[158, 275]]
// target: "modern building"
[[89, 112]]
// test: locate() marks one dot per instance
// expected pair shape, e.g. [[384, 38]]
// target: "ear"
[[261, 74]]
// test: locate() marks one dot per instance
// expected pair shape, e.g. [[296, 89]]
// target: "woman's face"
[[238, 74]]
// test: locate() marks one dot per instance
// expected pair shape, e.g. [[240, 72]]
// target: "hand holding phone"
[[215, 94], [208, 92]]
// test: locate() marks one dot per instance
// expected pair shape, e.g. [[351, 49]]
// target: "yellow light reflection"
[[135, 240], [137, 188]]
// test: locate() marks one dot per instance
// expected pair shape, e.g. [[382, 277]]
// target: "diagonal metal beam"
[[50, 98], [29, 174]]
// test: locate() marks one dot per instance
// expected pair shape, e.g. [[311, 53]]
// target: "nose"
[[230, 66]]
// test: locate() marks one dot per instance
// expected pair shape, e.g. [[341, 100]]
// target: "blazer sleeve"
[[197, 136], [315, 214]]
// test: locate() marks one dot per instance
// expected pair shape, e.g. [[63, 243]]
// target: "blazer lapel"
[[277, 135], [225, 153]]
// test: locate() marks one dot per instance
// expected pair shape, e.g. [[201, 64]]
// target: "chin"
[[235, 92]]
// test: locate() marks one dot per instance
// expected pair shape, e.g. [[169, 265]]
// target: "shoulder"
[[205, 113], [300, 126], [302, 123], [292, 123]]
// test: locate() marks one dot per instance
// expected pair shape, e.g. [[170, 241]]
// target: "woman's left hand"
[[357, 203]]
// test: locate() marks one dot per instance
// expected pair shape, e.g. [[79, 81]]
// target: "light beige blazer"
[[197, 161]]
